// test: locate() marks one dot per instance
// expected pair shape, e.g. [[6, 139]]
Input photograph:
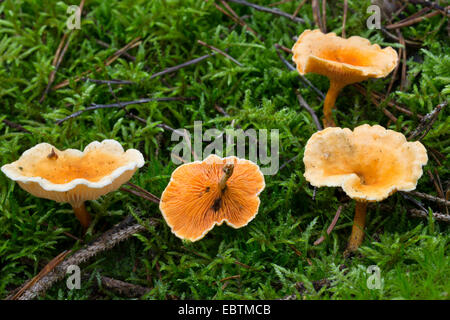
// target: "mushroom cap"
[[369, 163], [192, 203], [71, 175], [347, 60]]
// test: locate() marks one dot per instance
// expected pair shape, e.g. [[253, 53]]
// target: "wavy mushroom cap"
[[71, 175], [369, 163], [193, 203], [347, 60]]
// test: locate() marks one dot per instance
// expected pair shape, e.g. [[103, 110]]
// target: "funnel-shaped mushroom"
[[343, 61], [203, 194], [73, 176], [369, 164]]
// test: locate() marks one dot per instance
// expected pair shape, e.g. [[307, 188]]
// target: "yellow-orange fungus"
[[203, 194], [91, 166]]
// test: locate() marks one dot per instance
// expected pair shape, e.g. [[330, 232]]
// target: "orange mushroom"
[[369, 164], [206, 193], [343, 61], [73, 176]]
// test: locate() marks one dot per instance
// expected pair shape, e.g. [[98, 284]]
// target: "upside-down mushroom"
[[369, 163], [343, 61], [73, 176], [206, 193]]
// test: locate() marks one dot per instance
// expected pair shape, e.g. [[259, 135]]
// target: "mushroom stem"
[[82, 214], [357, 236], [227, 172], [330, 100]]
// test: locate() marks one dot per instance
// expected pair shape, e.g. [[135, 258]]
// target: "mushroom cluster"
[[74, 176]]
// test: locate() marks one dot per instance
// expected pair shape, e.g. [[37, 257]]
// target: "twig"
[[305, 105], [331, 227], [430, 198], [324, 16], [436, 215], [112, 81], [15, 126], [430, 5], [402, 42], [120, 105], [123, 288], [344, 18], [302, 78], [297, 10], [278, 3], [108, 240], [316, 14], [274, 11], [226, 55], [107, 46], [146, 194], [426, 123], [236, 19], [287, 162], [409, 42], [47, 269], [412, 21], [134, 43], [180, 66]]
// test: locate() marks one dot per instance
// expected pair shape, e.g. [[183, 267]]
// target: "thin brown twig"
[[316, 14], [310, 110], [426, 123], [123, 288], [107, 46], [430, 197], [436, 215], [297, 10], [226, 55], [236, 20], [106, 241], [331, 227], [412, 21], [15, 126], [273, 11], [344, 18], [402, 42], [149, 194], [134, 43], [324, 16], [278, 3]]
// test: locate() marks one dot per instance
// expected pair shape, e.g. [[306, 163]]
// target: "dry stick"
[[344, 18], [402, 109], [56, 62], [297, 10], [274, 11], [120, 105], [237, 20], [363, 91], [180, 66], [226, 55], [107, 46], [123, 288], [278, 3], [111, 59], [408, 42], [436, 215], [394, 75], [302, 78], [149, 194], [438, 179], [331, 227], [430, 198], [310, 110], [436, 185], [112, 81], [316, 14], [324, 15], [46, 270], [430, 5], [402, 42], [15, 126], [412, 21], [108, 240], [426, 123]]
